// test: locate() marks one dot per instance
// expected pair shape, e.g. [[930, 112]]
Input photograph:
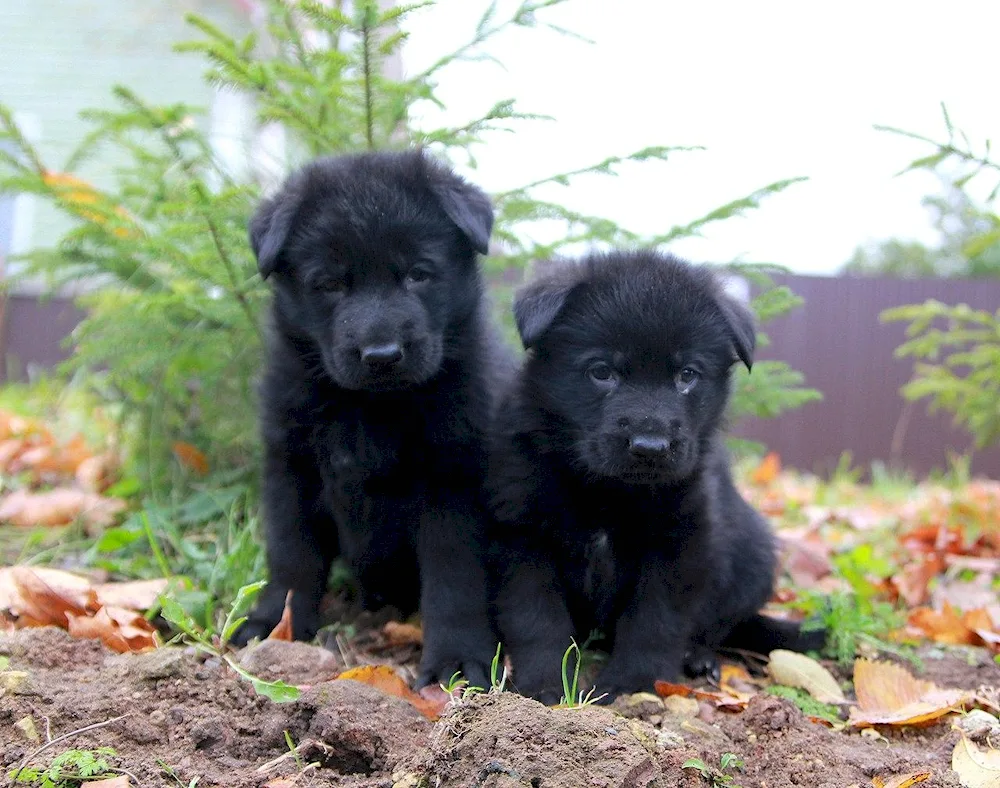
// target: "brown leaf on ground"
[[119, 629], [399, 634], [386, 679], [132, 594], [283, 629], [767, 471], [889, 694], [40, 597], [806, 557], [973, 627], [901, 780], [121, 781], [911, 583], [10, 450], [60, 506], [803, 672], [54, 459], [96, 473], [977, 767], [191, 457], [728, 699]]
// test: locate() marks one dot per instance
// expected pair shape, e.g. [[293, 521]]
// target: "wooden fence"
[[835, 339]]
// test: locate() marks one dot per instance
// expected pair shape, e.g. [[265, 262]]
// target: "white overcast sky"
[[771, 89]]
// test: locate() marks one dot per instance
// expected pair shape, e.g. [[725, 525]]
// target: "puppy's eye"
[[602, 375], [330, 285], [418, 274], [686, 379]]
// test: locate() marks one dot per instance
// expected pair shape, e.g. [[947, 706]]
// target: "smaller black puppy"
[[376, 398], [615, 505]]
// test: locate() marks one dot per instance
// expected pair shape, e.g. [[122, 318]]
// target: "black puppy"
[[615, 505], [378, 390]]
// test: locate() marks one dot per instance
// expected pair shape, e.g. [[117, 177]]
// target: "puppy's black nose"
[[382, 355], [648, 446]]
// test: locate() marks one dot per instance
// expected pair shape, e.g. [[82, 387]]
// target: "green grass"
[[721, 777], [68, 769]]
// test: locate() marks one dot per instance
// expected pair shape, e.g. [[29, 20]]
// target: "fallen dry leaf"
[[889, 694], [901, 780], [386, 679], [399, 634], [911, 583], [977, 767], [53, 459], [973, 627], [37, 596], [60, 506], [803, 672], [96, 473], [121, 781], [730, 700], [119, 629], [283, 629], [767, 471], [131, 594], [191, 457]]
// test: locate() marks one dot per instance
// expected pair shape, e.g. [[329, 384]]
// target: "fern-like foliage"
[[172, 294]]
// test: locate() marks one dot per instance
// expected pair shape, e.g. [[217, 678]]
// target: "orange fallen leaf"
[[729, 700], [384, 678], [767, 471], [191, 457], [283, 629], [912, 581], [42, 597], [96, 473], [889, 694], [10, 450], [121, 781], [53, 458], [39, 596], [131, 594], [901, 780], [119, 629], [399, 634], [60, 506], [947, 626]]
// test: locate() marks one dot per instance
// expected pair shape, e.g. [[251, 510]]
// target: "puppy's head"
[[373, 259], [631, 352]]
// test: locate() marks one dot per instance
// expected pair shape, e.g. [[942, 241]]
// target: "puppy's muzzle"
[[381, 358], [649, 447]]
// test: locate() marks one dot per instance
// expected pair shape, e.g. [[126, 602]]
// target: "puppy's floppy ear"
[[466, 205], [740, 321], [269, 230], [537, 305]]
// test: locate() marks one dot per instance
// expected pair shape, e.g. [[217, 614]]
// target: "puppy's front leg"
[[652, 634], [535, 624], [453, 604], [301, 544]]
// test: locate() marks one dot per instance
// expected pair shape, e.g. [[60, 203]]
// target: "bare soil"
[[174, 708]]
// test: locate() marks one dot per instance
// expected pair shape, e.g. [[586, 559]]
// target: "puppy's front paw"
[[266, 615], [702, 662], [439, 665]]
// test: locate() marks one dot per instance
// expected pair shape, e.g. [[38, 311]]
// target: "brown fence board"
[[838, 342]]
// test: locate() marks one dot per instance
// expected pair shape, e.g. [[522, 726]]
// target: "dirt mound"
[[175, 709], [172, 715]]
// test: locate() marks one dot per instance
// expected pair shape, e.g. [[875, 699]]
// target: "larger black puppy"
[[377, 396], [611, 485]]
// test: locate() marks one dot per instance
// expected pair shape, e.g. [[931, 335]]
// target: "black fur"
[[613, 497], [376, 399]]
